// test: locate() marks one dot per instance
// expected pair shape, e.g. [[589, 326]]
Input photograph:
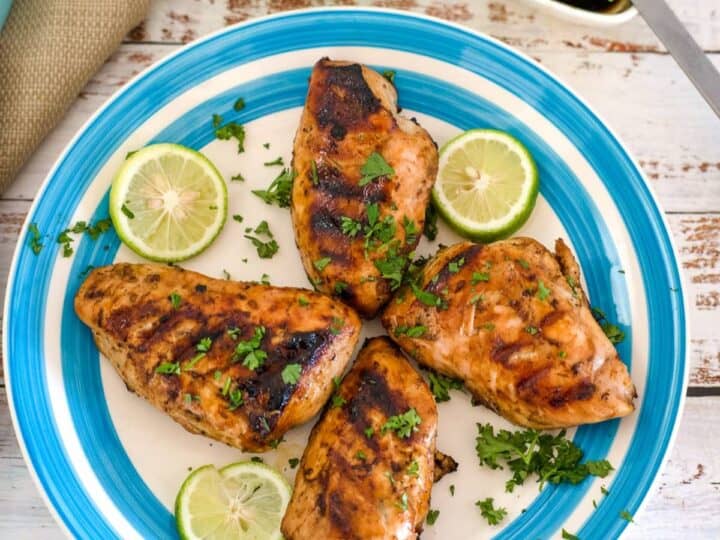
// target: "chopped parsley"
[[543, 292], [432, 516], [523, 263], [338, 401], [604, 491], [236, 398], [256, 459], [320, 264], [454, 266], [413, 469], [279, 190], [265, 249], [168, 368], [402, 504], [476, 298], [489, 512], [253, 355], [266, 146], [374, 168], [573, 285], [216, 121], [35, 243], [265, 279], [291, 373], [128, 213], [569, 536], [340, 287], [425, 297], [553, 458], [440, 386], [403, 424], [391, 267], [231, 130], [410, 331], [477, 277], [452, 490], [532, 330], [627, 516], [239, 104], [64, 239], [293, 462], [430, 229], [369, 431], [237, 178], [303, 301], [314, 173], [350, 227], [238, 218], [276, 162], [337, 325], [411, 231], [389, 74], [202, 348], [612, 331], [360, 455]]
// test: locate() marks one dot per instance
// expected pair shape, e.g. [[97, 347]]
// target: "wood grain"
[[682, 505], [516, 23]]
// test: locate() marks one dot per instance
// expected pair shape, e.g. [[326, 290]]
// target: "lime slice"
[[487, 184], [244, 501], [168, 202]]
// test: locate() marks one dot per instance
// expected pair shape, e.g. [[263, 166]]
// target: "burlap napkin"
[[48, 51]]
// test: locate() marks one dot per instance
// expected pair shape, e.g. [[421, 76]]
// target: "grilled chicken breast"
[[359, 479], [352, 227], [239, 362], [511, 320]]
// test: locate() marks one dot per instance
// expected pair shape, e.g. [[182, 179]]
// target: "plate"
[[110, 465]]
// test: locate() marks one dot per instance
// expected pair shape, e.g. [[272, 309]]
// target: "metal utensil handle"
[[689, 56]]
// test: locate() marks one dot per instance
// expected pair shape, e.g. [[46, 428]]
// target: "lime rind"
[[146, 177], [491, 210], [244, 500]]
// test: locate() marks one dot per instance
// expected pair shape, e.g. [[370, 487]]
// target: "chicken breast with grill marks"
[[239, 362], [511, 320], [352, 229], [358, 478]]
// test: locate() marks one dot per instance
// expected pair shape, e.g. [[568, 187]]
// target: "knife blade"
[[687, 53]]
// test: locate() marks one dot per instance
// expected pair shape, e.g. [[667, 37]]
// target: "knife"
[[689, 56]]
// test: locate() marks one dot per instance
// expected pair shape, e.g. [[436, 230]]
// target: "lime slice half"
[[487, 184], [244, 501], [168, 202]]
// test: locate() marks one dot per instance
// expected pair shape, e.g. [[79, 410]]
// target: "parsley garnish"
[[360, 455], [125, 210], [627, 516], [238, 218], [542, 292], [613, 332], [573, 285], [320, 264], [492, 514], [293, 462], [239, 104], [340, 287], [265, 279], [337, 325], [226, 387], [477, 277], [389, 74], [569, 536], [233, 333], [391, 267], [374, 168], [303, 301], [430, 229], [291, 373], [454, 266], [432, 516], [216, 121], [276, 162], [403, 424], [411, 231], [168, 368], [349, 226], [257, 459], [265, 250], [523, 263], [314, 173], [236, 399], [229, 131], [237, 178], [254, 355], [64, 239], [402, 504], [175, 300], [202, 347], [604, 491], [279, 190], [369, 432], [553, 458], [35, 243], [413, 469], [425, 297], [338, 401], [452, 490], [410, 331], [532, 330], [440, 386]]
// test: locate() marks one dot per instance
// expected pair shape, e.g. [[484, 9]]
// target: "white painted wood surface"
[[624, 73]]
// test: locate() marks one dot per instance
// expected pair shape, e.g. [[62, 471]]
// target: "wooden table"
[[624, 73]]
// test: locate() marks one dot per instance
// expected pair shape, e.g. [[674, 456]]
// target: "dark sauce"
[[603, 6]]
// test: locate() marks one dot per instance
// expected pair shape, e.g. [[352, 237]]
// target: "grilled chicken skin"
[[187, 343], [357, 479], [515, 325], [351, 114]]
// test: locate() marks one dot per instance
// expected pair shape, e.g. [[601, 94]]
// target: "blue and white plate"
[[110, 465]]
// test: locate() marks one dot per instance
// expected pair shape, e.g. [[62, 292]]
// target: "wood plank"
[[644, 97], [518, 24], [683, 503], [697, 237]]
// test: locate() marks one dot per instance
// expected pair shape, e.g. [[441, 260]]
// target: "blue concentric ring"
[[29, 285]]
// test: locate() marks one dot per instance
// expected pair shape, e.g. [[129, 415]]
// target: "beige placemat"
[[48, 51]]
